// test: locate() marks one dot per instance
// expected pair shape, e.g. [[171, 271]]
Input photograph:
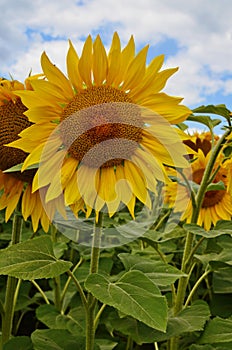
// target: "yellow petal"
[[38, 132], [114, 60], [27, 146], [127, 56], [61, 178], [149, 77], [87, 183], [36, 213], [13, 200], [42, 114], [72, 68], [54, 75], [85, 62], [71, 192], [131, 206], [49, 91], [31, 99], [28, 202], [100, 62], [173, 113], [123, 187], [108, 182], [41, 153], [147, 173], [47, 170], [45, 222], [134, 176], [136, 70], [162, 78]]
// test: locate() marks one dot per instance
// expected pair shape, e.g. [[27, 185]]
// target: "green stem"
[[79, 288], [11, 285], [68, 283], [156, 346], [41, 291], [91, 300], [196, 285], [57, 293], [187, 256], [129, 345], [56, 280], [99, 315]]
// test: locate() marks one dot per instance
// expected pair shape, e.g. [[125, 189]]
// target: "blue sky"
[[194, 35]]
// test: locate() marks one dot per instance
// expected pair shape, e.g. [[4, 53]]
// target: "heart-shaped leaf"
[[32, 259], [134, 294]]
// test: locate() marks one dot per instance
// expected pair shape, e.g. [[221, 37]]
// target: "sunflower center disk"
[[101, 127], [211, 198], [13, 121]]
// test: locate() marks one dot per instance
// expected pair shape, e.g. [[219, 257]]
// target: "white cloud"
[[201, 29]]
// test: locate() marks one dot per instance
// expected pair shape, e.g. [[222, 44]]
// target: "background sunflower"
[[16, 186], [217, 203]]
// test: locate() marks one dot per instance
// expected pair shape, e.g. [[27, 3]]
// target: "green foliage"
[[19, 343], [218, 330], [57, 339], [191, 319], [32, 259], [134, 294]]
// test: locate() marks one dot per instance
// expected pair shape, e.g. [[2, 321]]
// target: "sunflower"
[[16, 185], [102, 134], [217, 204]]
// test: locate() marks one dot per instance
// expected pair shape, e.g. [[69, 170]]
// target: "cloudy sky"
[[194, 35]]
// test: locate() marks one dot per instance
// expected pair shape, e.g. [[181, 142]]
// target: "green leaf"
[[160, 273], [56, 339], [191, 319], [222, 280], [133, 294], [18, 167], [201, 347], [217, 330], [216, 186], [205, 119], [19, 343], [105, 266], [198, 230], [53, 319], [212, 109], [105, 344], [152, 236], [32, 259]]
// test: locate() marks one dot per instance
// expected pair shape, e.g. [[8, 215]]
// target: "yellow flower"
[[102, 135], [200, 140], [217, 204], [16, 185]]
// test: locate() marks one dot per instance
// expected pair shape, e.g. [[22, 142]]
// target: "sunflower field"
[[115, 228]]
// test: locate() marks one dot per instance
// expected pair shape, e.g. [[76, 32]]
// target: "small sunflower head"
[[13, 121]]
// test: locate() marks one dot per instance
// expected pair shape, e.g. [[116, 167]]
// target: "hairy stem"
[[91, 300], [11, 285]]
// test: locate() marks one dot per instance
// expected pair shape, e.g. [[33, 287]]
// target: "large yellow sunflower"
[[217, 204], [102, 134], [16, 186]]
